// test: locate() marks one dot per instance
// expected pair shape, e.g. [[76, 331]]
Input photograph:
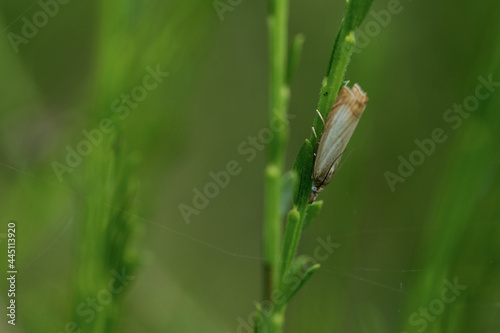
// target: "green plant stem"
[[339, 59], [278, 100], [355, 12], [279, 92]]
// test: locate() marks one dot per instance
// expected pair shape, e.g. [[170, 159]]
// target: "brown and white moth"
[[340, 124]]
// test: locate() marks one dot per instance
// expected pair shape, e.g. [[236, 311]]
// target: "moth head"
[[314, 193]]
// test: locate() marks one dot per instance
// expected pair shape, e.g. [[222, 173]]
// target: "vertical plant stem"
[[332, 82], [278, 100], [355, 12]]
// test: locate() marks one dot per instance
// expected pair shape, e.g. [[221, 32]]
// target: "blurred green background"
[[396, 247]]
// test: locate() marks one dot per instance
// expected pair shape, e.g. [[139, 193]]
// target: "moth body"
[[339, 127]]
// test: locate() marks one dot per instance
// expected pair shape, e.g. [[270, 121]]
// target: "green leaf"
[[288, 184], [312, 211], [303, 166], [300, 272], [355, 13], [292, 237]]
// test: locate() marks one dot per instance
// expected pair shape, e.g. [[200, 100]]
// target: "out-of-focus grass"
[[94, 200], [461, 236], [128, 49]]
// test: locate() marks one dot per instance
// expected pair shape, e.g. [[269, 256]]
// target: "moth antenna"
[[314, 132], [320, 117]]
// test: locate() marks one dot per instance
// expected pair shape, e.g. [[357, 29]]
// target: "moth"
[[338, 128]]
